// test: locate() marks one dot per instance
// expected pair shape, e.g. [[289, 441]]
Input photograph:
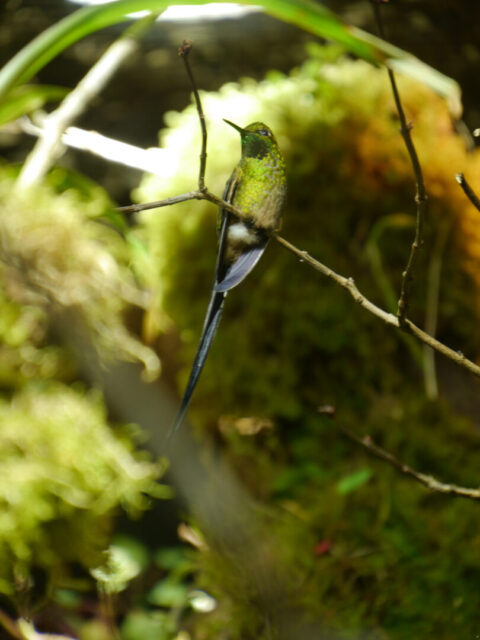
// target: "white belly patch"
[[239, 232]]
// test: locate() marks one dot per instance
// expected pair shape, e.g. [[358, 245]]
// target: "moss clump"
[[55, 254], [64, 471]]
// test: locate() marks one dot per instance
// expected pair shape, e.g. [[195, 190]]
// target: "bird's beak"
[[235, 126]]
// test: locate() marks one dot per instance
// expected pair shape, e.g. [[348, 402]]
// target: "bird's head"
[[257, 139]]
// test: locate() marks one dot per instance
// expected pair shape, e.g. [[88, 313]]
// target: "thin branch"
[[190, 195], [158, 204], [420, 191], [347, 283], [468, 191], [388, 318], [183, 52], [428, 481], [211, 197], [49, 147], [374, 257]]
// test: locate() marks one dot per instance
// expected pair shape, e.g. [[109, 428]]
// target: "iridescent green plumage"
[[257, 187]]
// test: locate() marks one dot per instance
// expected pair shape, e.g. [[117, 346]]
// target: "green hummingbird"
[[257, 187]]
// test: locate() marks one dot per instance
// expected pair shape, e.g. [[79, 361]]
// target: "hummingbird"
[[257, 187]]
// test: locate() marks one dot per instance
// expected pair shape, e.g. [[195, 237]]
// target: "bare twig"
[[346, 283], [158, 204], [427, 480], [420, 191], [388, 318], [373, 254], [49, 147], [190, 195], [183, 52], [468, 191]]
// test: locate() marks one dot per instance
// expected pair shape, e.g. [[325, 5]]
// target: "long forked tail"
[[212, 319]]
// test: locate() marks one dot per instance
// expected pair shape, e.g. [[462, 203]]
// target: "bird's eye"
[[264, 132]]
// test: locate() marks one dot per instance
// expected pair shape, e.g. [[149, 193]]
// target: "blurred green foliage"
[[28, 98], [58, 253], [399, 562], [65, 470]]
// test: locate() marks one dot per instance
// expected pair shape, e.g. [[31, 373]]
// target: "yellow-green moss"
[[64, 472], [55, 252]]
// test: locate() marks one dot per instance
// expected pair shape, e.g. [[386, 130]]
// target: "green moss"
[[64, 472], [55, 253]]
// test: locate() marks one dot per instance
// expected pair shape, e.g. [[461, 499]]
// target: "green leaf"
[[354, 481], [133, 549], [171, 558], [119, 568], [147, 625], [168, 593], [305, 14], [26, 99]]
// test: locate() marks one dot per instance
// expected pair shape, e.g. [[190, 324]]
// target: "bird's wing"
[[228, 276], [228, 193], [223, 220], [239, 270]]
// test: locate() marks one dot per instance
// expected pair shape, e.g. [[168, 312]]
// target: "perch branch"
[[136, 208], [347, 283], [420, 191], [428, 481], [190, 195], [388, 318], [468, 191]]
